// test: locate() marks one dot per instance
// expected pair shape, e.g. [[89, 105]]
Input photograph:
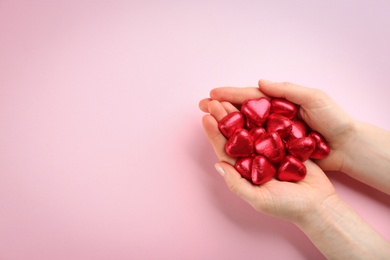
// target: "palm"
[[288, 200]]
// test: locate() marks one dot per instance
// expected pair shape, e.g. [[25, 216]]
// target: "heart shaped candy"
[[231, 123], [279, 123], [301, 148], [256, 110], [298, 130], [256, 132], [262, 170], [283, 107], [291, 169], [244, 167], [262, 133], [271, 146], [240, 144], [322, 149]]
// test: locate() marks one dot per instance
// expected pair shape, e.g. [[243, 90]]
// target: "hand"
[[317, 109], [289, 201], [312, 204]]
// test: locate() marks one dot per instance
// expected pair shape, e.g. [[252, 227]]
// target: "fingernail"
[[265, 81], [220, 169]]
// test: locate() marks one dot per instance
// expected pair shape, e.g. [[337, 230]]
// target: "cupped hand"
[[286, 200], [317, 109]]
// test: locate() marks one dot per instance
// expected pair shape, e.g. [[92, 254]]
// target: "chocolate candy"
[[280, 124], [269, 141], [244, 167], [256, 111], [302, 148], [291, 169], [271, 146], [322, 149], [231, 123], [262, 170], [283, 107], [240, 144]]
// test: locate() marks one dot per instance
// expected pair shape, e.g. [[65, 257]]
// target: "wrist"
[[324, 226], [338, 231], [317, 218], [347, 143], [366, 157], [342, 140]]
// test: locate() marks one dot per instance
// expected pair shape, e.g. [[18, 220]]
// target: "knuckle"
[[286, 84], [236, 187], [320, 95], [318, 92]]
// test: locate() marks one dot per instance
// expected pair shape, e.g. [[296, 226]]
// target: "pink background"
[[102, 154]]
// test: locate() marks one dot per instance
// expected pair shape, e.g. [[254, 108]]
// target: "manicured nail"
[[220, 169]]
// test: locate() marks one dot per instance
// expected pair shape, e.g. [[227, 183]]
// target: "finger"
[[316, 178], [314, 103], [229, 107], [237, 184], [311, 167], [235, 95], [333, 162], [217, 110], [203, 104], [314, 172], [317, 109], [217, 140], [292, 92]]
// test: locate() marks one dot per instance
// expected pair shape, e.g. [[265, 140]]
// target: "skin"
[[358, 149]]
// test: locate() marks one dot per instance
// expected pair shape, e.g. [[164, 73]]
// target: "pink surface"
[[102, 154]]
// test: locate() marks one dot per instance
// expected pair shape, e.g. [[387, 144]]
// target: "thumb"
[[314, 104], [292, 92], [237, 184], [317, 109]]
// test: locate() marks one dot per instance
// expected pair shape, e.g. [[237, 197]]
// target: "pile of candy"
[[269, 140]]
